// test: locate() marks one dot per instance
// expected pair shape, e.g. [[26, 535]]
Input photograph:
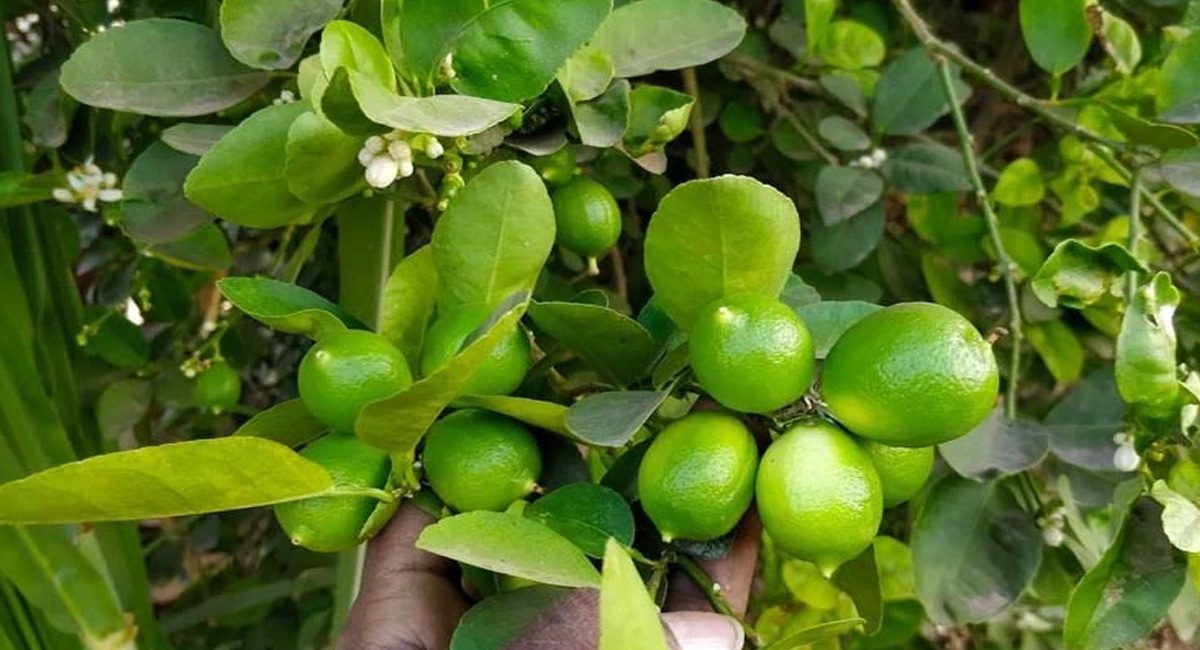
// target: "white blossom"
[[1125, 458], [87, 185], [382, 171], [386, 158], [285, 97]]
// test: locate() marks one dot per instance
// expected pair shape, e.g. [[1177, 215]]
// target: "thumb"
[[703, 631]]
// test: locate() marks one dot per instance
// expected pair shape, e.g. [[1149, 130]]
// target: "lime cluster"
[[897, 383]]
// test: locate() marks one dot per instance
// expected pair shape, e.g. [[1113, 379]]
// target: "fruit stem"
[[382, 495], [593, 267], [712, 591]]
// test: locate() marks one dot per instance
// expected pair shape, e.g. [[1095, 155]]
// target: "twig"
[[764, 69], [1007, 267], [620, 284], [1135, 233], [696, 124], [1163, 211], [711, 590]]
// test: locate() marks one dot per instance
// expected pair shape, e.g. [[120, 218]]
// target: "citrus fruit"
[[902, 470], [218, 387], [697, 478], [500, 374], [556, 168], [331, 524], [911, 375], [751, 352], [818, 494], [345, 370], [587, 217], [479, 460]]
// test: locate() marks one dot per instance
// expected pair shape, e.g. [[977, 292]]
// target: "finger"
[[703, 631], [734, 573], [409, 599]]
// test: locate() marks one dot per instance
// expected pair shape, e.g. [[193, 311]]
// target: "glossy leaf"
[[974, 550], [716, 237], [494, 237], [1120, 39], [613, 344], [350, 46], [859, 578], [845, 245], [1180, 518], [650, 35], [271, 34], [818, 16], [154, 209], [806, 638], [407, 303], [1145, 367], [1077, 275], [159, 66], [851, 45], [1059, 348], [843, 192], [495, 621], [1178, 95], [1083, 423], [1127, 593], [1164, 137], [288, 423], [322, 161], [203, 249], [121, 406], [242, 178], [926, 168], [195, 139], [1056, 32], [909, 97], [628, 617], [543, 415], [441, 115], [170, 480], [657, 115], [1181, 170], [602, 121], [1020, 184], [827, 320], [997, 447], [587, 514], [510, 544], [843, 134], [285, 306], [610, 419]]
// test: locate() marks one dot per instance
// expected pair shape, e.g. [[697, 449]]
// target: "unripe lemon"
[[911, 375], [347, 369], [587, 217], [902, 470], [331, 524], [818, 494], [697, 477], [500, 374], [218, 387], [751, 352], [479, 460]]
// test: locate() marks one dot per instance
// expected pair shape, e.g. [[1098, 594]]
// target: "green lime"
[[347, 369], [479, 460], [218, 387], [902, 470], [588, 219], [500, 374], [751, 352], [697, 478], [331, 524], [556, 168], [818, 494], [911, 375]]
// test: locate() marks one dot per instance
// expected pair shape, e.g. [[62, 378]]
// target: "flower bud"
[[382, 171]]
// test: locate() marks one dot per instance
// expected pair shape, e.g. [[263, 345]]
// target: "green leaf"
[[587, 74], [926, 168], [494, 237], [203, 249], [843, 134], [642, 37], [288, 423], [122, 69], [121, 406], [397, 423], [352, 47], [602, 121], [843, 192], [828, 320], [242, 178], [271, 34], [1164, 137], [117, 341], [195, 139], [1078, 275], [845, 245], [1083, 423], [1120, 40], [543, 415], [1056, 32], [1127, 593], [997, 447], [806, 638], [613, 344], [407, 304], [715, 237], [1179, 82], [495, 621], [20, 188], [657, 115], [1145, 368], [1059, 348], [859, 578], [587, 514], [1020, 184], [909, 97], [818, 16], [740, 121], [510, 544], [511, 51], [49, 112], [154, 209], [628, 617], [441, 115], [851, 45], [975, 550], [1180, 518], [610, 419], [170, 480], [285, 306], [321, 165], [1181, 170]]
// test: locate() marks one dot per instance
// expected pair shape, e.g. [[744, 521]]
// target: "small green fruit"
[[218, 388], [902, 470], [500, 374], [478, 460], [587, 217], [346, 370]]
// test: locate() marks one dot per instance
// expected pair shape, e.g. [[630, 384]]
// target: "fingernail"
[[704, 631]]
